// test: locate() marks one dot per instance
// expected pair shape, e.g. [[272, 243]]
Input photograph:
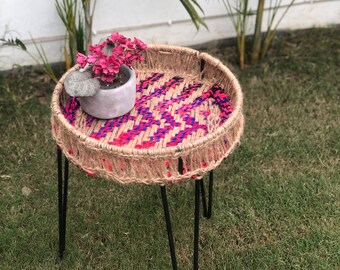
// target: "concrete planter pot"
[[112, 103]]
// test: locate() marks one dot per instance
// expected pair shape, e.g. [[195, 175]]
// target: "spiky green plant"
[[257, 32], [72, 16], [196, 19], [239, 13], [8, 40], [44, 63], [271, 27], [88, 22], [77, 17]]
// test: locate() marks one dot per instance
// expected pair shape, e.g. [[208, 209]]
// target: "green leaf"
[[198, 5], [80, 33], [19, 43], [196, 19]]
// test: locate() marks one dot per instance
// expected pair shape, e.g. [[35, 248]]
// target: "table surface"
[[169, 110], [173, 110]]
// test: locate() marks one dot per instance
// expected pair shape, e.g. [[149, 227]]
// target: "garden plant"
[[239, 11]]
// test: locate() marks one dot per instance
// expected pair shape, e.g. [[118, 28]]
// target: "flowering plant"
[[106, 58]]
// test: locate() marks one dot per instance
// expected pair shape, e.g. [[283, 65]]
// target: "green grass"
[[276, 199]]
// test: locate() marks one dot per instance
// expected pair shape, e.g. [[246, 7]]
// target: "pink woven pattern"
[[168, 111]]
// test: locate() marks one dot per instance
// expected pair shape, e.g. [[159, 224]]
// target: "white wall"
[[153, 21]]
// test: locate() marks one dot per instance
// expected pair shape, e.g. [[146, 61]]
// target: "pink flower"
[[97, 48], [129, 58], [139, 57], [140, 44], [117, 38], [106, 67], [118, 50], [92, 58], [97, 70], [81, 59], [103, 62], [107, 78], [117, 60], [130, 44], [113, 69]]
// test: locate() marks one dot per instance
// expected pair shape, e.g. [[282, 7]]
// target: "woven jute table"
[[187, 119]]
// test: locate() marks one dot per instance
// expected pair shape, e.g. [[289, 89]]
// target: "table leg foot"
[[207, 209], [62, 200]]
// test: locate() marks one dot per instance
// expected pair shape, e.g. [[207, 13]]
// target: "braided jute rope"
[[158, 164]]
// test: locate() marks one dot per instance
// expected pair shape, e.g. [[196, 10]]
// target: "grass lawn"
[[276, 199]]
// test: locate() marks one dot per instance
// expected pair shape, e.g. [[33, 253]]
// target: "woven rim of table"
[[162, 57]]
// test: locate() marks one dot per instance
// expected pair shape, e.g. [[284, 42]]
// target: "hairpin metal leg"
[[207, 210], [197, 221], [169, 228], [62, 200]]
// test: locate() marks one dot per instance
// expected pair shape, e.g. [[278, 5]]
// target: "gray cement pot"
[[112, 103]]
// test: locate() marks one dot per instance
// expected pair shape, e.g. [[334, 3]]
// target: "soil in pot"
[[122, 79]]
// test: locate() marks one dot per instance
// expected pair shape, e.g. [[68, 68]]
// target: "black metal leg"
[[180, 165], [197, 221], [207, 210], [62, 201], [169, 228], [60, 196]]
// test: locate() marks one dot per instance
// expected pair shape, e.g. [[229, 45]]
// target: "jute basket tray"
[[186, 121]]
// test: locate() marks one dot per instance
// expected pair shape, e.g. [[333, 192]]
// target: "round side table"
[[187, 119]]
